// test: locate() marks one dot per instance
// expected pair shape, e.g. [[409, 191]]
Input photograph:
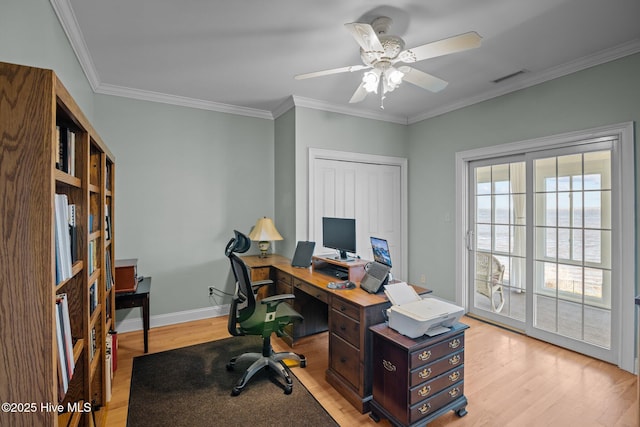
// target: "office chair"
[[251, 316]]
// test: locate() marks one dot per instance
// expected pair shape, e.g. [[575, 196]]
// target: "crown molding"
[[285, 106], [71, 28], [300, 101], [145, 95], [528, 80]]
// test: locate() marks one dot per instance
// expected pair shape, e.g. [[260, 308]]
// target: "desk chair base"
[[274, 362]]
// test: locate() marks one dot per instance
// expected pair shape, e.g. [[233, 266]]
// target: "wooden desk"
[[139, 298], [346, 314]]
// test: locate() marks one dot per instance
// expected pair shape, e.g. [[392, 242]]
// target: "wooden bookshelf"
[[35, 108]]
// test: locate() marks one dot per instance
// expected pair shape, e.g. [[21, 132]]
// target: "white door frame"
[[624, 251], [346, 156]]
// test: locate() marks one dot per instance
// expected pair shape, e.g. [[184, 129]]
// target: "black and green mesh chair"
[[251, 316]]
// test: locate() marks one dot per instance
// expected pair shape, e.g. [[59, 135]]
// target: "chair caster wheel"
[[229, 367], [236, 391], [288, 390], [303, 363]]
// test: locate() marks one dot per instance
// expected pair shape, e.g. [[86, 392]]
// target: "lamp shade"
[[264, 230]]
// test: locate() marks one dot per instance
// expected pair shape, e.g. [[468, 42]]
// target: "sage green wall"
[[602, 95], [285, 182], [185, 179], [332, 131], [30, 34]]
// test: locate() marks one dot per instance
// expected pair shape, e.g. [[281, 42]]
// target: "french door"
[[540, 245]]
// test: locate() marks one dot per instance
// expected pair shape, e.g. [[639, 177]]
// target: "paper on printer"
[[414, 316]]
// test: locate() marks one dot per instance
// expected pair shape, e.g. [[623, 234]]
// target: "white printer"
[[414, 316]]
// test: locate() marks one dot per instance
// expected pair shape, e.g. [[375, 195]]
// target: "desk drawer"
[[434, 386], [346, 308], [436, 368], [311, 290], [419, 358], [345, 360], [436, 402], [283, 283], [346, 328]]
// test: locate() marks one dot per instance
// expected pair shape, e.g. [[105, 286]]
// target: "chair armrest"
[[277, 298], [260, 283]]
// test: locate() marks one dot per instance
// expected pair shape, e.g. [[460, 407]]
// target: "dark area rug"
[[191, 386]]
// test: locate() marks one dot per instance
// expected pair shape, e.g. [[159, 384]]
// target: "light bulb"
[[370, 80], [394, 78]]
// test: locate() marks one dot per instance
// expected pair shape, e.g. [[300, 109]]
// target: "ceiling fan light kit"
[[380, 52]]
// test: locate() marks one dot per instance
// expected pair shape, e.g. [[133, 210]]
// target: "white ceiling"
[[240, 56]]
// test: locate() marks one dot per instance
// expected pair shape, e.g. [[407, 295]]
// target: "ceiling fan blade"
[[349, 69], [366, 37], [446, 46], [422, 79], [359, 95]]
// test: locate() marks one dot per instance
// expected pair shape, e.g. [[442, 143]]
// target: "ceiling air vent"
[[509, 76]]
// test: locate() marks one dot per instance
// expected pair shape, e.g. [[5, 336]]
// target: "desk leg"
[[145, 321]]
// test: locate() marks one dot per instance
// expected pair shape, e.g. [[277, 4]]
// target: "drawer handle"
[[454, 392], [318, 296], [425, 355], [388, 366], [424, 391], [425, 408], [454, 360], [343, 360], [343, 308], [455, 343], [454, 377], [343, 328], [425, 373]]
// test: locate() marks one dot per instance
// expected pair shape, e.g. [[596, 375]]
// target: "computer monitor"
[[339, 234], [380, 249]]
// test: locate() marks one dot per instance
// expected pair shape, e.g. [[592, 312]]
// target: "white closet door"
[[368, 192]]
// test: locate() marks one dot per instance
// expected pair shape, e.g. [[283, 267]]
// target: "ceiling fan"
[[381, 52]]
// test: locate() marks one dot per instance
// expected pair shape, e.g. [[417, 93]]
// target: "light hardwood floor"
[[510, 379]]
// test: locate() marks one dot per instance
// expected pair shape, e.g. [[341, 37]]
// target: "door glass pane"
[[572, 246], [500, 243]]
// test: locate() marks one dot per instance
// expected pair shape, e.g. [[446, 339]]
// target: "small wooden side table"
[[139, 298]]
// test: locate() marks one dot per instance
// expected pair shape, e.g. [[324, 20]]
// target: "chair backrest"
[[489, 272], [243, 303]]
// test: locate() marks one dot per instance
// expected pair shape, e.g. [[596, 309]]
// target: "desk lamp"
[[263, 232]]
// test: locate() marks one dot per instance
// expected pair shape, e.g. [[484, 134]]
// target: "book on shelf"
[[92, 344], [63, 378], [64, 340], [93, 256], [107, 219], [109, 273], [66, 150], [108, 365], [62, 238], [93, 297], [73, 233]]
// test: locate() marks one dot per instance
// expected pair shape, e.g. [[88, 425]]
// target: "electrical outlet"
[[423, 278], [211, 288]]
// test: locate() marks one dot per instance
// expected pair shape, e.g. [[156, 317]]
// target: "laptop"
[[303, 254]]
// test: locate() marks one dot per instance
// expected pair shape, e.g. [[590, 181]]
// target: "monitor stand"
[[344, 257]]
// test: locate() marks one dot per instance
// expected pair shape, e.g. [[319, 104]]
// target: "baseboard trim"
[[135, 324]]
